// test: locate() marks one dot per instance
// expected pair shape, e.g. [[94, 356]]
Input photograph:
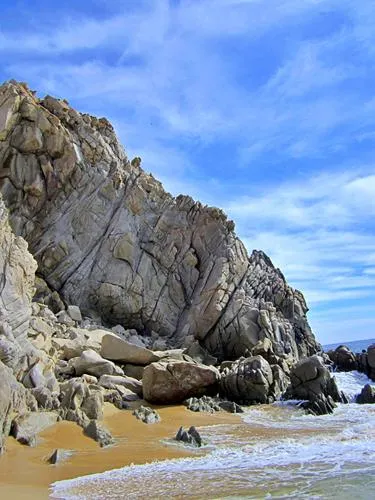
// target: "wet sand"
[[25, 473]]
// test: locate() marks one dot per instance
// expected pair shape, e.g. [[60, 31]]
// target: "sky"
[[265, 108]]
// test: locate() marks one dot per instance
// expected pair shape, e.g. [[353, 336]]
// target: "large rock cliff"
[[108, 238]]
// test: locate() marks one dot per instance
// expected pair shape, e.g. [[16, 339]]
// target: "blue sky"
[[265, 108]]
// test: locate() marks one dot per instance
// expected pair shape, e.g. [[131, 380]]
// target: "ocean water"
[[354, 346], [275, 451]]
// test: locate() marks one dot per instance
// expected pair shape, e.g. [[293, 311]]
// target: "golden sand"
[[25, 473]]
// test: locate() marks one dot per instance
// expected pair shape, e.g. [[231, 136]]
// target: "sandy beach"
[[25, 473]]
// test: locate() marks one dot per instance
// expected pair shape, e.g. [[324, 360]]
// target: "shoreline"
[[25, 473]]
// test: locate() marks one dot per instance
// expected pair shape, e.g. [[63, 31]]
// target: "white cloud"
[[164, 72]]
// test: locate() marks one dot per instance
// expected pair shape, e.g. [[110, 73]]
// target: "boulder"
[[248, 381], [147, 415], [117, 349], [112, 381], [81, 402], [96, 431], [367, 395], [343, 359], [75, 313], [92, 363], [26, 428], [312, 381], [175, 381]]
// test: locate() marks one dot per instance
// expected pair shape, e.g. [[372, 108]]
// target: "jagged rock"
[[205, 403], [92, 363], [81, 402], [343, 359], [112, 381], [230, 406], [312, 381], [56, 457], [117, 349], [45, 295], [371, 361], [367, 395], [175, 381], [248, 381], [64, 318], [147, 415], [96, 431], [191, 436], [75, 313], [26, 428], [319, 405], [109, 239]]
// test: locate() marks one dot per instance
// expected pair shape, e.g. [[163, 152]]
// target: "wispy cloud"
[[264, 107]]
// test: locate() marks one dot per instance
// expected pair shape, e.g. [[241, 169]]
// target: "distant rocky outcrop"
[[108, 238]]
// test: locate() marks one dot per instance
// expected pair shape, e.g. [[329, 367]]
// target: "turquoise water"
[[354, 345]]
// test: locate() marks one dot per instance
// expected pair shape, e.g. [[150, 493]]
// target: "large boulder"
[[175, 381], [312, 381], [248, 381], [109, 239], [117, 349], [343, 359]]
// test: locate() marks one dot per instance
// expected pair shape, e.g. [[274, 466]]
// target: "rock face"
[[175, 381], [17, 273], [110, 240]]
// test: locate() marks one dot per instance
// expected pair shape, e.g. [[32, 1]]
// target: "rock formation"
[[109, 239], [138, 294]]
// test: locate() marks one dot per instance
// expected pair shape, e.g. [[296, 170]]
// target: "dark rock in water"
[[191, 436], [147, 415], [56, 457], [230, 407], [320, 405], [96, 431], [312, 381], [343, 359], [367, 395]]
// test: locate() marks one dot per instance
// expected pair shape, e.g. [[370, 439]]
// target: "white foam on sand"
[[345, 445]]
